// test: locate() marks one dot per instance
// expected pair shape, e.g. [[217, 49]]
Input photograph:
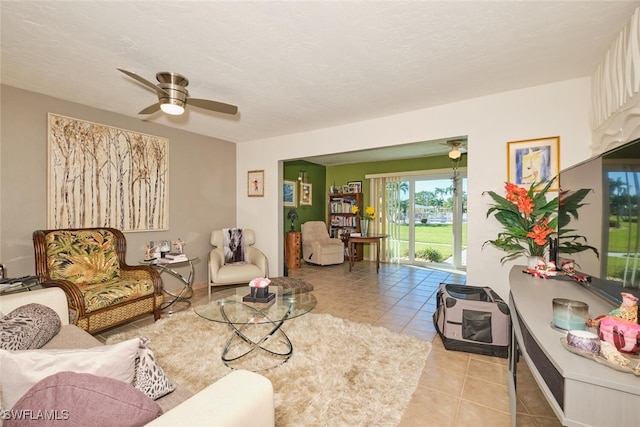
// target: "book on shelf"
[[341, 221]]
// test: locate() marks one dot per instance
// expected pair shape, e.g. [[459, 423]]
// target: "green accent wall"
[[316, 176]]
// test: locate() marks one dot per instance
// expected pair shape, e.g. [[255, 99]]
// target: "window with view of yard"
[[431, 220]]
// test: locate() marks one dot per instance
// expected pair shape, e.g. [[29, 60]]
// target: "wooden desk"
[[373, 239]]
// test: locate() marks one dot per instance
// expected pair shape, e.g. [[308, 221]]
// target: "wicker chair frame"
[[107, 317]]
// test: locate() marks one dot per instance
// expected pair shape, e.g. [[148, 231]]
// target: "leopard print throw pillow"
[[28, 327], [149, 377]]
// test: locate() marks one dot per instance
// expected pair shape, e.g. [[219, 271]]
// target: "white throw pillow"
[[20, 370]]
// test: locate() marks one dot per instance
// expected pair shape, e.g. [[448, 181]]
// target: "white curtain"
[[385, 199]]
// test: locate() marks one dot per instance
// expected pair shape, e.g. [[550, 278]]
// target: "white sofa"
[[231, 274], [241, 398]]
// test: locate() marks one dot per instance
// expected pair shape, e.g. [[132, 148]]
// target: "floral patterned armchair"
[[89, 265]]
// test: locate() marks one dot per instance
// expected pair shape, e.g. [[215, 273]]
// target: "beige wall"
[[202, 193]]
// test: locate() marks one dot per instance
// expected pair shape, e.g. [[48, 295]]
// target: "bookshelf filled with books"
[[342, 222]]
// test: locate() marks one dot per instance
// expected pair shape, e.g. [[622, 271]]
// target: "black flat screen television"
[[608, 220]]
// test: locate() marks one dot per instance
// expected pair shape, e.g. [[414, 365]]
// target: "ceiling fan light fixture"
[[172, 108], [175, 101], [454, 154], [173, 95]]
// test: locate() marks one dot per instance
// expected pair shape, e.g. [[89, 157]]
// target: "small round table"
[[256, 327], [180, 301], [373, 239]]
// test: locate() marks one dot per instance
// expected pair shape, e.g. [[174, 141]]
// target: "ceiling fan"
[[173, 95]]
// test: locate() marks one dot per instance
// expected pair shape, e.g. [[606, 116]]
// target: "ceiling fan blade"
[[151, 109], [213, 105], [145, 82]]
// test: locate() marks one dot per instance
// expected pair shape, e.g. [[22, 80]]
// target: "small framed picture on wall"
[[255, 183], [289, 194], [534, 161], [306, 194]]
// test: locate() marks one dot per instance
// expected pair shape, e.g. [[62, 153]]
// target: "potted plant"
[[530, 220]]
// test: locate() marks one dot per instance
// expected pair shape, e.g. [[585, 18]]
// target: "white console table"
[[581, 392]]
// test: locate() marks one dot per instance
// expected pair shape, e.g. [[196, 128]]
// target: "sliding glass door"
[[433, 220]]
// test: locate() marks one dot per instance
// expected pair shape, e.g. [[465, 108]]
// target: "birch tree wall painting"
[[102, 176]]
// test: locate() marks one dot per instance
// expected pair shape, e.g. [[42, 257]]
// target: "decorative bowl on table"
[[584, 340]]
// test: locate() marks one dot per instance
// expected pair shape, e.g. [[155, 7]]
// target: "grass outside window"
[[437, 237]]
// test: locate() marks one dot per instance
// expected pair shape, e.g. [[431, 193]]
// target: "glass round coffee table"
[[257, 341]]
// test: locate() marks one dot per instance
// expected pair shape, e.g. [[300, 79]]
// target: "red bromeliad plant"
[[526, 216]]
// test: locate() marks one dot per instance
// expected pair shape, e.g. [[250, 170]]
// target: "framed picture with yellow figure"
[[533, 160], [306, 194]]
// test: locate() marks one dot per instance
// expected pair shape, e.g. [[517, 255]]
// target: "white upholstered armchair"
[[221, 273], [318, 247]]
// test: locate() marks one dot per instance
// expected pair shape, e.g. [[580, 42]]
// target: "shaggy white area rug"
[[341, 373]]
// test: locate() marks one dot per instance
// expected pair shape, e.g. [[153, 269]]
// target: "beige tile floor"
[[455, 388]]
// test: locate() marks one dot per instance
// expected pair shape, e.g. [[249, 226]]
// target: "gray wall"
[[202, 193]]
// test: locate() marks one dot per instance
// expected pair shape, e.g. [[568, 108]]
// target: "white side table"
[[179, 301]]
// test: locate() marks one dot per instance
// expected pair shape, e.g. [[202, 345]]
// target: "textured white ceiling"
[[294, 66]]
